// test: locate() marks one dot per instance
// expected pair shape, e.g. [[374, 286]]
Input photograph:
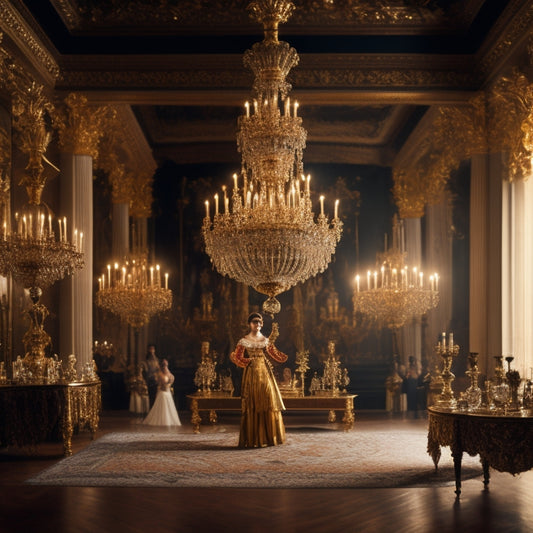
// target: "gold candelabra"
[[265, 234], [31, 251], [447, 350], [394, 293], [134, 291]]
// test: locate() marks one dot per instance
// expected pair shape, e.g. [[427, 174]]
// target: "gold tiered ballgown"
[[261, 420]]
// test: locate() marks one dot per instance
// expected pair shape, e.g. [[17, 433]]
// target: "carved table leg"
[[457, 460], [486, 473], [348, 418], [332, 417], [68, 427], [213, 416], [196, 420]]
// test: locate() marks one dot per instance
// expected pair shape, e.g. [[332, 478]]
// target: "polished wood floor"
[[505, 507]]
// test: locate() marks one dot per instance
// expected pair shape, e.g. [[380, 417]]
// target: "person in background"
[[164, 412], [151, 372]]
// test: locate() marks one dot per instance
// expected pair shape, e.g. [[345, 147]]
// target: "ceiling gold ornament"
[[14, 25], [84, 14], [80, 125], [265, 234]]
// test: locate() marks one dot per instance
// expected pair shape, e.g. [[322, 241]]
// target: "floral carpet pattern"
[[311, 458]]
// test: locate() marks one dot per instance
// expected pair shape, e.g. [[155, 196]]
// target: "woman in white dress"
[[164, 412]]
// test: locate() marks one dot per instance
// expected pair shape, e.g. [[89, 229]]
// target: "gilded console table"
[[504, 443], [214, 402], [30, 414]]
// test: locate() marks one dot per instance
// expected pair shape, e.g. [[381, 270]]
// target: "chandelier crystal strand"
[[266, 234], [394, 293]]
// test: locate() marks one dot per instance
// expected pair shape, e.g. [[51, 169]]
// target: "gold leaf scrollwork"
[[80, 125], [511, 101], [141, 199]]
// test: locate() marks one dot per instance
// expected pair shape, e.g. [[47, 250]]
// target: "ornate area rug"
[[311, 458]]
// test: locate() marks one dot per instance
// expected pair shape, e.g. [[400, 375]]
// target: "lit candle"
[[30, 228], [216, 204], [436, 282], [248, 198], [123, 275], [336, 209], [81, 241], [421, 275], [375, 280], [382, 275], [158, 277], [451, 341], [322, 204], [99, 288], [25, 226], [226, 204], [287, 105], [431, 283], [247, 106], [109, 275], [298, 189], [293, 193], [307, 183], [5, 231], [65, 228], [235, 177], [60, 229], [357, 282], [255, 106], [296, 104], [151, 276], [368, 280], [41, 229], [166, 280], [207, 208], [49, 225], [444, 340], [75, 239], [415, 276]]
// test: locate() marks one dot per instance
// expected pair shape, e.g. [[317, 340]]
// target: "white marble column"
[[486, 214], [411, 340], [76, 292]]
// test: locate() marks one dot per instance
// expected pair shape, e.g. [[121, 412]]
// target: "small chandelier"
[[394, 293], [268, 237], [134, 291]]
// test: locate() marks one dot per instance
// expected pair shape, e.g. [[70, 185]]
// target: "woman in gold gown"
[[261, 420]]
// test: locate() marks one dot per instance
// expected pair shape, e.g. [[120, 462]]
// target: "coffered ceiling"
[[368, 70]]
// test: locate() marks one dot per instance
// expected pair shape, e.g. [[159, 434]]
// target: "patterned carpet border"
[[311, 458]]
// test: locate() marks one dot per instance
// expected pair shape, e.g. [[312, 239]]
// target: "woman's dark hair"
[[254, 315]]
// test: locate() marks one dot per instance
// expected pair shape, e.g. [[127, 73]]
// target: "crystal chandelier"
[[32, 252], [394, 293], [265, 235], [134, 291]]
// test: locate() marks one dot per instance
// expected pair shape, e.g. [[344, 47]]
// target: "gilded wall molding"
[[14, 26], [127, 159], [80, 125], [511, 102], [454, 134], [302, 78]]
